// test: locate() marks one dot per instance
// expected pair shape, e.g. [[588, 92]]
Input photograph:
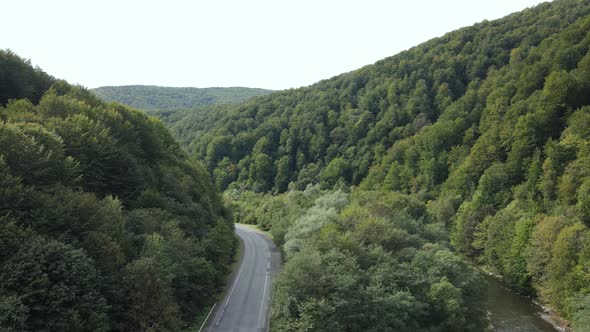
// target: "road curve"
[[246, 304]]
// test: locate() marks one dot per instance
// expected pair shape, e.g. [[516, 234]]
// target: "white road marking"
[[265, 282], [207, 318], [232, 289]]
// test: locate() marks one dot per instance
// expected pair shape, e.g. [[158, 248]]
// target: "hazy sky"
[[274, 44]]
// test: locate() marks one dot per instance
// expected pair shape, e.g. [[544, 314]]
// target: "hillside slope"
[[18, 79], [105, 224], [149, 97], [488, 125]]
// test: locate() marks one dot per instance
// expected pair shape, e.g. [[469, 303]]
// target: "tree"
[[337, 169], [563, 278], [225, 173], [35, 155], [105, 167], [218, 148], [13, 314], [447, 303], [151, 304], [57, 284], [20, 80], [11, 190], [262, 172], [539, 251], [583, 204], [283, 173]]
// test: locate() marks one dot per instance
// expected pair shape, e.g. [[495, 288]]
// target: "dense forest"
[[105, 224], [383, 187], [363, 261], [486, 128], [151, 98]]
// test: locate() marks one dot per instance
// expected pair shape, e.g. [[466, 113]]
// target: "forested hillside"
[[149, 97], [104, 222], [18, 79], [363, 261], [488, 126]]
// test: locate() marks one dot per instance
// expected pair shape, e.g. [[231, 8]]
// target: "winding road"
[[246, 304]]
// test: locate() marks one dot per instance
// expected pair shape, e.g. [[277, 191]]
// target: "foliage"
[[19, 80], [424, 105], [57, 285], [354, 262], [476, 141], [105, 224], [488, 125]]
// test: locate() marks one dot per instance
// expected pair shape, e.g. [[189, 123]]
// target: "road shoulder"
[[229, 280]]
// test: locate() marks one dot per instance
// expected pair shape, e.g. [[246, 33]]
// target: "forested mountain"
[[149, 97], [105, 224], [488, 126]]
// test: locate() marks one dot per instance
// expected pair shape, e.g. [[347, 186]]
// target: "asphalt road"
[[246, 304]]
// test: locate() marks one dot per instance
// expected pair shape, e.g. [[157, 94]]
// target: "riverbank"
[[510, 310]]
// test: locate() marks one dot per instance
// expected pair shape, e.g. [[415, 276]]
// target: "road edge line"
[[207, 318], [268, 271]]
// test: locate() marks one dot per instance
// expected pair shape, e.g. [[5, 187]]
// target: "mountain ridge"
[[154, 97]]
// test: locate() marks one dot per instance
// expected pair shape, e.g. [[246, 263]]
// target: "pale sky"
[[273, 44]]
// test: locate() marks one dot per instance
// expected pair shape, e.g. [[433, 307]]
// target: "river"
[[512, 312]]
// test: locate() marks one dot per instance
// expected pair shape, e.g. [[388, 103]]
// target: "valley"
[[386, 191]]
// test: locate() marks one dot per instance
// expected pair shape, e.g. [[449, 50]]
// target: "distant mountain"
[[151, 97]]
